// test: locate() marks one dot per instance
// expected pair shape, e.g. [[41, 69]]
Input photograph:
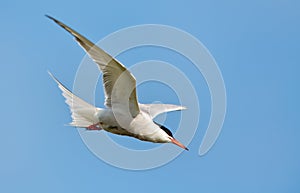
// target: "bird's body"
[[123, 114], [141, 127]]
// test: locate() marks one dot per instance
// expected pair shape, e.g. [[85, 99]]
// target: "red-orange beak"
[[178, 143]]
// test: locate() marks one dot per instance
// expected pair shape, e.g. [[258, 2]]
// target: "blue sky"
[[256, 46]]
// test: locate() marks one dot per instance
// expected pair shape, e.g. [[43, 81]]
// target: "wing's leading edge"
[[119, 84], [155, 109]]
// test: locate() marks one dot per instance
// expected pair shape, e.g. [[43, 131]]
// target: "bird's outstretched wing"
[[155, 109], [119, 84]]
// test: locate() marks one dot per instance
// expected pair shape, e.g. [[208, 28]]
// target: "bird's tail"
[[83, 113]]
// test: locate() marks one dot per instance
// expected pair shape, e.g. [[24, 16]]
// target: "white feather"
[[155, 109], [83, 113]]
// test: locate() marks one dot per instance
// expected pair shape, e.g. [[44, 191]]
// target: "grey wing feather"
[[155, 109], [119, 83]]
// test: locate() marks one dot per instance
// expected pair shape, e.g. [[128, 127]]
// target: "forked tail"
[[83, 113]]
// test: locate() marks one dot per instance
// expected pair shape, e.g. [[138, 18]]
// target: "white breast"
[[141, 127]]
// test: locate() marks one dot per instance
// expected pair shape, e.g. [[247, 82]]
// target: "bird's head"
[[170, 137]]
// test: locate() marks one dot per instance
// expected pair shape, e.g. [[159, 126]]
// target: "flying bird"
[[123, 114]]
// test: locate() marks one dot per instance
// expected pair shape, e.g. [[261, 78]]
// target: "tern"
[[123, 114]]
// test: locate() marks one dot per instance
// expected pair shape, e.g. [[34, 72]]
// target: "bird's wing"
[[119, 84], [155, 109]]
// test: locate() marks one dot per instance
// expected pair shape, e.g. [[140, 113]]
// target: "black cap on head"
[[165, 129], [173, 140]]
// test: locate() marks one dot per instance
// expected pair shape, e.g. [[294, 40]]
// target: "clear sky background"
[[256, 45]]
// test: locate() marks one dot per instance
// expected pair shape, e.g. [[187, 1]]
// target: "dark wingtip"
[[187, 149], [49, 16], [52, 18]]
